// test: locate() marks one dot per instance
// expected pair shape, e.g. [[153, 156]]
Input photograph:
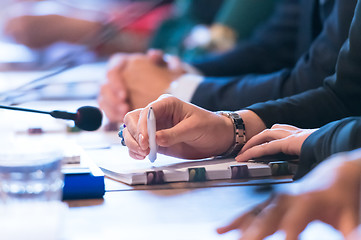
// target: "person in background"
[[332, 115], [126, 27], [162, 24], [188, 131], [291, 53], [194, 33]]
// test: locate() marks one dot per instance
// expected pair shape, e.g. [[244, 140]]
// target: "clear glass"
[[30, 175], [31, 184]]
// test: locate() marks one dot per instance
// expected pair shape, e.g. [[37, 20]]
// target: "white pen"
[[151, 126]]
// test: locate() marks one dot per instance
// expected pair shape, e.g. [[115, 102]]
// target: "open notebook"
[[116, 163]]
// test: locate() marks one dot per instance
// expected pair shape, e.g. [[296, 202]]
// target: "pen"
[[151, 126]]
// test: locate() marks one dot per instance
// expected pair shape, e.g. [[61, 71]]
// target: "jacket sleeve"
[[339, 97], [279, 32], [310, 71], [339, 136]]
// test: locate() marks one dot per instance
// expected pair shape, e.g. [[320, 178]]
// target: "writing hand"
[[183, 130]]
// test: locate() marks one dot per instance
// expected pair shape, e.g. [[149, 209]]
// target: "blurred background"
[[58, 49]]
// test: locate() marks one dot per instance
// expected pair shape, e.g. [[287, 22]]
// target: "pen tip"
[[150, 110]]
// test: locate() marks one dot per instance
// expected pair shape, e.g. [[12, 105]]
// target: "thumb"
[[184, 131], [117, 61], [156, 56], [174, 63]]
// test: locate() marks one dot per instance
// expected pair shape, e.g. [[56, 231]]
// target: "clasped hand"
[[134, 80]]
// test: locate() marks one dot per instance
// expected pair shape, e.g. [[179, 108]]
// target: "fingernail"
[[139, 156], [142, 143], [141, 152]]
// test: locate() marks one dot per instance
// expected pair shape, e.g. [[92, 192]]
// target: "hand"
[[44, 30], [355, 235], [148, 77], [330, 193], [34, 31], [280, 138], [183, 130], [116, 98], [113, 98]]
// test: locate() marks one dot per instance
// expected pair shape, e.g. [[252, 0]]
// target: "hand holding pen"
[[151, 130], [183, 130]]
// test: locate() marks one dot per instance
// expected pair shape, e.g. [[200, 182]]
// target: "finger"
[[156, 56], [112, 106], [242, 222], [117, 85], [164, 108], [266, 223], [285, 127], [245, 220], [109, 96], [184, 131], [116, 113], [264, 149], [117, 65], [298, 217], [174, 63], [348, 221], [132, 144], [131, 121], [117, 60], [135, 155], [142, 127], [265, 136], [355, 235]]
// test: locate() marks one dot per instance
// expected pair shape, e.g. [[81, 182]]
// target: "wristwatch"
[[239, 133]]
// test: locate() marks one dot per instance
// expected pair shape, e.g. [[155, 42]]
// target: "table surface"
[[170, 211], [182, 211], [178, 213]]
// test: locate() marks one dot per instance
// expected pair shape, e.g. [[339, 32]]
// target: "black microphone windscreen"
[[88, 118]]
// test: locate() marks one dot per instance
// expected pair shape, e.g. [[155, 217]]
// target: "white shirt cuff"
[[185, 86]]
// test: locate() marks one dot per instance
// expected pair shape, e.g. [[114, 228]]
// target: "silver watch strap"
[[239, 133]]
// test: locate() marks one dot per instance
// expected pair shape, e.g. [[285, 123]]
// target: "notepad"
[[117, 164]]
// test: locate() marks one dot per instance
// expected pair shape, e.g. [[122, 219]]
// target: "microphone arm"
[[86, 118], [54, 114]]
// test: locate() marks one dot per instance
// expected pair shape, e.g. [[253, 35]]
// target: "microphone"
[[86, 118]]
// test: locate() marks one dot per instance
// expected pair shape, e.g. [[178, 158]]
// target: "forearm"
[[311, 109], [253, 123], [75, 30], [234, 93], [244, 59], [340, 136], [339, 97]]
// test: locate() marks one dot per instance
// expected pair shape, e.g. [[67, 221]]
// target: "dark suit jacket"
[[339, 136], [317, 62], [274, 42], [338, 98]]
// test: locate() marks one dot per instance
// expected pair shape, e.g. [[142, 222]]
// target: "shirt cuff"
[[185, 86]]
